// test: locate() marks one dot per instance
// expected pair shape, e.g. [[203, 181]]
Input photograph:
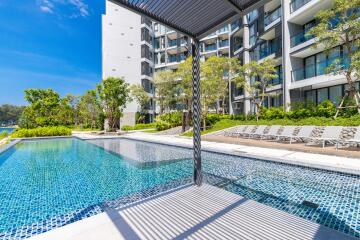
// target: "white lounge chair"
[[258, 132], [273, 132], [235, 131], [303, 134], [247, 131], [287, 133], [330, 134], [355, 139]]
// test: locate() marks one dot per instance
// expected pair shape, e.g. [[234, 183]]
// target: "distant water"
[[8, 130]]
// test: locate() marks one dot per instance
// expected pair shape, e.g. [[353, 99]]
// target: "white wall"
[[121, 32]]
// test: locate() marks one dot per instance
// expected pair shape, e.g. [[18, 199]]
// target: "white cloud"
[[67, 8], [46, 9]]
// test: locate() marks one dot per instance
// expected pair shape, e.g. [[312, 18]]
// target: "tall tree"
[[43, 108], [73, 102], [340, 25], [114, 93], [165, 85], [90, 112], [142, 98], [10, 114], [260, 75]]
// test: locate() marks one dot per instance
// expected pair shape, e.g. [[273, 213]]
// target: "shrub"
[[213, 118], [173, 118], [41, 132], [326, 109], [161, 126], [273, 113]]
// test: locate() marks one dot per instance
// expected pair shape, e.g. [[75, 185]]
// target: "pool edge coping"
[[253, 156]]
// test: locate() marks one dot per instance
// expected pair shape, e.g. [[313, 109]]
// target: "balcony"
[[210, 48], [224, 43], [296, 4], [272, 17], [317, 69], [300, 38], [273, 48], [176, 58]]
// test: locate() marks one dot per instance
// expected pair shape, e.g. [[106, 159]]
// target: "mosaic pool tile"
[[48, 184]]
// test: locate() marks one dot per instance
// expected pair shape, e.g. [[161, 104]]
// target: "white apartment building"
[[275, 30], [134, 48], [278, 30], [127, 52]]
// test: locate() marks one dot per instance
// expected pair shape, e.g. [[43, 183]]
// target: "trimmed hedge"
[[139, 126], [41, 132]]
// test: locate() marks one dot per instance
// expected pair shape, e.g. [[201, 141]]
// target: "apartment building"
[[127, 52], [278, 30], [135, 47]]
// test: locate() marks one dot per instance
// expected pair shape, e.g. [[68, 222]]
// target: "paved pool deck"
[[192, 212], [321, 161]]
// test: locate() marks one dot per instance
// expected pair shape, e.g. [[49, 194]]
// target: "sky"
[[49, 44]]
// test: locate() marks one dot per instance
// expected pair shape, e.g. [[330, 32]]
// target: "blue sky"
[[49, 44]]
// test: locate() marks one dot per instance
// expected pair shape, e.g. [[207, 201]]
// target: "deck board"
[[192, 212]]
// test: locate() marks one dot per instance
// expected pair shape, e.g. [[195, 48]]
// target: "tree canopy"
[[337, 26], [114, 93]]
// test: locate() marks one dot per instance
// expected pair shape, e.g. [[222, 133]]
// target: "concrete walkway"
[[192, 212], [322, 161]]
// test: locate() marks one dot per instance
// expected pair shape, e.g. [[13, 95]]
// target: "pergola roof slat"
[[190, 17]]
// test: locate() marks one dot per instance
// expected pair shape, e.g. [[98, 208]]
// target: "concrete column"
[[286, 61], [246, 58]]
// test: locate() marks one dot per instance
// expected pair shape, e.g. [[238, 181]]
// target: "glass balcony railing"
[[235, 25], [300, 38], [176, 58], [296, 4], [172, 43], [223, 29], [273, 16], [271, 49], [318, 69], [210, 48], [224, 43]]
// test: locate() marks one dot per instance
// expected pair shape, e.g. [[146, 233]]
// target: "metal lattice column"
[[196, 111]]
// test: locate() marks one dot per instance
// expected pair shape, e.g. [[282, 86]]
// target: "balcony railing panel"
[[273, 16], [296, 4], [319, 68], [300, 38]]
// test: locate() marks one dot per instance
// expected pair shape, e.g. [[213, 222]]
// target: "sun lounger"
[[273, 132], [235, 131], [247, 131], [258, 132], [330, 134], [304, 134], [355, 139], [287, 133]]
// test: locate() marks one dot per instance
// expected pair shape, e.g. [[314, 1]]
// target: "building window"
[[253, 29], [322, 95], [336, 94]]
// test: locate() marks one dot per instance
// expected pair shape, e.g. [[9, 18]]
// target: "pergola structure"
[[195, 19]]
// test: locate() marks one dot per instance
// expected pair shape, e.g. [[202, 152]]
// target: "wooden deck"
[[192, 212]]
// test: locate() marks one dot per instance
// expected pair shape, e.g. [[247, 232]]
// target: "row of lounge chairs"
[[330, 135]]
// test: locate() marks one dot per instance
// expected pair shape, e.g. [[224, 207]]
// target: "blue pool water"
[[50, 183], [8, 130]]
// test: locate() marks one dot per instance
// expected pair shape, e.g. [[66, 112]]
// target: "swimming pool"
[[50, 183]]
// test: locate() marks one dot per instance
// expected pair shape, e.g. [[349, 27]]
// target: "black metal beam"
[[132, 8], [196, 111]]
